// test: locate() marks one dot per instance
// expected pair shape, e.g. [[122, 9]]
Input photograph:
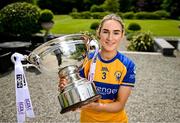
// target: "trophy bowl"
[[65, 56]]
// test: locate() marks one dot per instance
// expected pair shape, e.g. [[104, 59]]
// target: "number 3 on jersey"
[[103, 75]]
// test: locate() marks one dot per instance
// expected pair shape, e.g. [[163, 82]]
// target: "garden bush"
[[85, 15], [134, 26], [146, 15], [162, 13], [46, 15], [128, 15], [94, 25], [20, 19], [143, 41], [74, 10], [120, 14], [75, 15], [88, 15], [81, 15], [96, 8], [98, 15], [130, 34]]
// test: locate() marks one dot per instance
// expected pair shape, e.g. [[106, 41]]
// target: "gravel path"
[[156, 97]]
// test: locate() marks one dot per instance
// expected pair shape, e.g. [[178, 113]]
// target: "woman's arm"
[[118, 105]]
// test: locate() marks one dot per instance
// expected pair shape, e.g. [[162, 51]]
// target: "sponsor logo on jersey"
[[107, 91]]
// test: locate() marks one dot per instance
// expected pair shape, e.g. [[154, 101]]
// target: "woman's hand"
[[62, 83]]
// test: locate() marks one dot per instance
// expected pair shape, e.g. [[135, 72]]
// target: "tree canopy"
[[66, 6]]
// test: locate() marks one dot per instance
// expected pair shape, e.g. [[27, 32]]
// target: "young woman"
[[114, 75]]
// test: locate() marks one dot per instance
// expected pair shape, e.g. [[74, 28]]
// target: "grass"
[[64, 24], [158, 27]]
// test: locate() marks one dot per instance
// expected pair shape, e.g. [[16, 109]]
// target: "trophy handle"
[[22, 58]]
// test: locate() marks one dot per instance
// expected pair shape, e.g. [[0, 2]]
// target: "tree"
[[111, 5], [66, 6], [172, 6], [3, 3], [88, 3], [146, 5], [125, 5], [60, 6]]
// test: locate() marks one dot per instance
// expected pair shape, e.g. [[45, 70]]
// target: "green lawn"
[[159, 27], [64, 24]]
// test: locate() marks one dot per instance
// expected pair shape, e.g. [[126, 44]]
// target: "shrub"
[[85, 15], [74, 10], [88, 15], [46, 16], [99, 15], [96, 8], [94, 25], [142, 42], [128, 15], [20, 19], [96, 15], [134, 26], [81, 15], [75, 15], [162, 13], [146, 15], [120, 14], [179, 26], [130, 34]]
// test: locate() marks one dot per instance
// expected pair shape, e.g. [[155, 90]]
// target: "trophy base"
[[80, 104]]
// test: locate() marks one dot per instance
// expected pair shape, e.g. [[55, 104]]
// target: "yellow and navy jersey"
[[109, 76]]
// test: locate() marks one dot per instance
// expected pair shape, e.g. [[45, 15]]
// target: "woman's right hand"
[[62, 83]]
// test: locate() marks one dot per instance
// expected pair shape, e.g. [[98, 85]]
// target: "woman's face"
[[110, 35]]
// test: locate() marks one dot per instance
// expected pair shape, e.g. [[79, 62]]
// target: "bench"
[[165, 47]]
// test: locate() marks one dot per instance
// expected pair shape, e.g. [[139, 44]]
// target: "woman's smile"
[[111, 35]]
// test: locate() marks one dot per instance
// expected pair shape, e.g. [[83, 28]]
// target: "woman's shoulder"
[[125, 59]]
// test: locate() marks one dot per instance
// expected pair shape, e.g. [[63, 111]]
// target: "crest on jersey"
[[117, 74]]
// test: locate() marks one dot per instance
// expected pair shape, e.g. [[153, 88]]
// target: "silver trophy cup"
[[65, 55]]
